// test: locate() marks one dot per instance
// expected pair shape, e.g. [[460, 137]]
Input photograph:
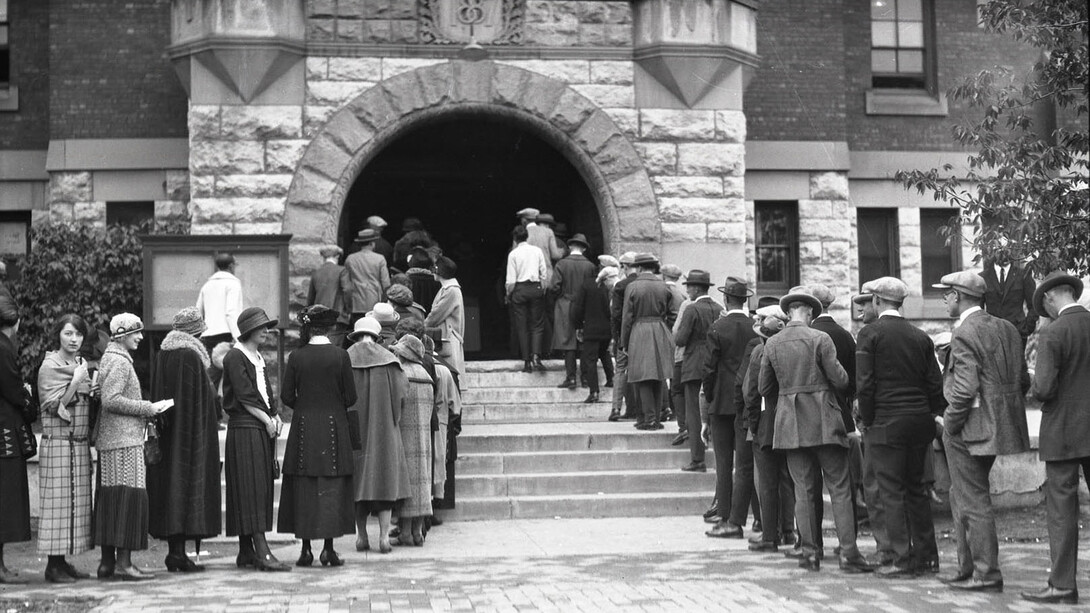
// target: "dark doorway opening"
[[465, 177]]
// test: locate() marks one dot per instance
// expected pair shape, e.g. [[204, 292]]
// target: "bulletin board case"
[[175, 268]]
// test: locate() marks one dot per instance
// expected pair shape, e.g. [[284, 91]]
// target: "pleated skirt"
[[121, 500], [316, 507], [248, 460], [14, 501]]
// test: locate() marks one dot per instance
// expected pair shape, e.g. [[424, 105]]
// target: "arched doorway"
[[465, 176]]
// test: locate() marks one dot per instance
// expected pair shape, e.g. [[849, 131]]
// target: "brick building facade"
[[750, 138]]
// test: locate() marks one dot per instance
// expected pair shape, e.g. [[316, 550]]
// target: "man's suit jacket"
[[801, 363], [896, 371], [543, 238], [727, 340], [369, 278], [761, 423], [1006, 300], [1062, 382], [692, 334], [845, 354], [985, 383], [328, 287], [590, 312]]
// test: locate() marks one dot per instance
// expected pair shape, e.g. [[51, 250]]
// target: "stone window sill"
[[906, 102], [9, 98]]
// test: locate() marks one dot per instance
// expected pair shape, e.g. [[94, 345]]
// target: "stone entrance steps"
[[497, 393]]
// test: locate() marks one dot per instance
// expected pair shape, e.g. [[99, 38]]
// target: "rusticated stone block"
[[435, 84], [730, 126], [727, 232], [391, 67], [640, 224], [271, 227], [171, 210], [315, 118], [202, 186], [317, 68], [374, 109], [677, 125], [355, 69], [623, 96], [568, 71], [204, 121], [734, 187], [835, 251], [684, 232], [349, 30], [593, 12], [252, 186], [211, 228], [810, 252], [687, 187], [326, 157], [815, 209], [659, 158], [282, 156], [828, 186], [632, 191], [61, 212], [230, 210], [320, 8], [346, 129], [711, 159], [572, 109], [335, 93], [40, 218], [312, 190], [472, 81], [596, 132], [177, 184], [842, 209], [535, 94], [93, 213], [226, 157], [261, 122], [403, 31], [825, 273], [69, 187], [303, 258], [702, 209], [617, 158], [627, 120], [548, 36], [608, 72], [310, 225], [822, 229], [298, 288], [618, 35]]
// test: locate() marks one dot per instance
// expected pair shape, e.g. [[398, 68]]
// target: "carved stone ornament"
[[488, 22]]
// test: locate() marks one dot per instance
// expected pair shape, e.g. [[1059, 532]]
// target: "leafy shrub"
[[71, 268]]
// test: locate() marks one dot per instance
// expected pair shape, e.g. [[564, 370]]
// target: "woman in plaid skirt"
[[64, 389]]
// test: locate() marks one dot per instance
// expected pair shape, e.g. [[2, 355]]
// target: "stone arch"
[[550, 108]]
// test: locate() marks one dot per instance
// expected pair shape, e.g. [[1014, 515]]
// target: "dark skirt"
[[316, 507], [15, 494], [121, 502], [248, 459]]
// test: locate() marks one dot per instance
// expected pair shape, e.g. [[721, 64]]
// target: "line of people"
[[372, 433]]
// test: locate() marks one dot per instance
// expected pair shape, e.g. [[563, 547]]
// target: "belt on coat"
[[65, 437], [805, 389], [649, 318]]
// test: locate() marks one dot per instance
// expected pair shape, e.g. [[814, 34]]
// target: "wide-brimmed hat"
[[698, 277], [579, 239], [801, 296], [735, 288], [124, 324], [1054, 278], [529, 213], [384, 313], [365, 325], [190, 321], [253, 318], [645, 258], [964, 281], [318, 315], [367, 235]]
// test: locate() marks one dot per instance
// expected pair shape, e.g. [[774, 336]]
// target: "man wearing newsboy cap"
[[984, 383]]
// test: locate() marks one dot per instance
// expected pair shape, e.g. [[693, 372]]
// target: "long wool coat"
[[448, 314], [381, 471], [645, 329], [184, 488], [568, 276], [415, 427], [1061, 381]]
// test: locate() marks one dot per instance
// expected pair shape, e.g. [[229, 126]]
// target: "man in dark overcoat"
[[900, 393], [1009, 295], [727, 340], [984, 382], [590, 317], [1062, 383], [692, 337], [569, 275]]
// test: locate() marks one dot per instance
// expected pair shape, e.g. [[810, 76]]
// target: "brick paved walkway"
[[553, 565]]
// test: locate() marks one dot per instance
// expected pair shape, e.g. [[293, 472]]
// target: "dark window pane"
[[129, 213], [883, 61], [773, 265], [776, 236], [878, 255], [773, 228], [937, 257], [5, 66], [899, 82]]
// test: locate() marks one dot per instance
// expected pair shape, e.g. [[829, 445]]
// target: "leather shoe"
[[75, 573], [527, 367], [723, 530], [811, 563], [591, 398], [757, 526], [714, 519], [131, 573], [1053, 595], [608, 383], [788, 538], [892, 571], [105, 571], [614, 415], [680, 439], [930, 567], [57, 574], [536, 361], [956, 578], [763, 546], [306, 558], [713, 511], [695, 467], [568, 384], [976, 585], [856, 565]]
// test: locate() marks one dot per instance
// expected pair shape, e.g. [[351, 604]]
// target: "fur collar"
[[181, 340]]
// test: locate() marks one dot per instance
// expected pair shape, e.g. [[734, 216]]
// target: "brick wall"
[[28, 128], [798, 90], [109, 74]]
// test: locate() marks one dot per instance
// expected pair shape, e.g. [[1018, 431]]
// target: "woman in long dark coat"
[[381, 476], [184, 487], [316, 500], [14, 442], [253, 426]]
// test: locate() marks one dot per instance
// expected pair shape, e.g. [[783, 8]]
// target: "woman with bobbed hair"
[[64, 458], [252, 427]]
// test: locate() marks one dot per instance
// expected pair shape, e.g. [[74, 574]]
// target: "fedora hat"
[[579, 239], [253, 318], [1054, 278], [365, 325], [802, 295], [698, 277], [644, 258], [384, 312], [367, 235], [735, 288]]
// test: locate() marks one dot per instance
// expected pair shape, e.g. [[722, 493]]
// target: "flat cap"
[[528, 212], [964, 281], [376, 222], [824, 294], [772, 310], [864, 295], [889, 288], [627, 258], [671, 271], [608, 260]]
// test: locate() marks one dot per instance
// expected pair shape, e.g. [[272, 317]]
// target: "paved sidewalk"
[[662, 564]]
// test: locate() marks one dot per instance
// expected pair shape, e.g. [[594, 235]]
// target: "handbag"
[[276, 469], [152, 452]]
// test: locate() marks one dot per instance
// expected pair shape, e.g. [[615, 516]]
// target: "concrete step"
[[584, 482], [476, 380], [534, 412], [522, 395], [643, 504], [575, 441], [672, 458], [508, 366]]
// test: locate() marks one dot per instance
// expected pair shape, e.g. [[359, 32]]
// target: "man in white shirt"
[[220, 303], [527, 272]]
